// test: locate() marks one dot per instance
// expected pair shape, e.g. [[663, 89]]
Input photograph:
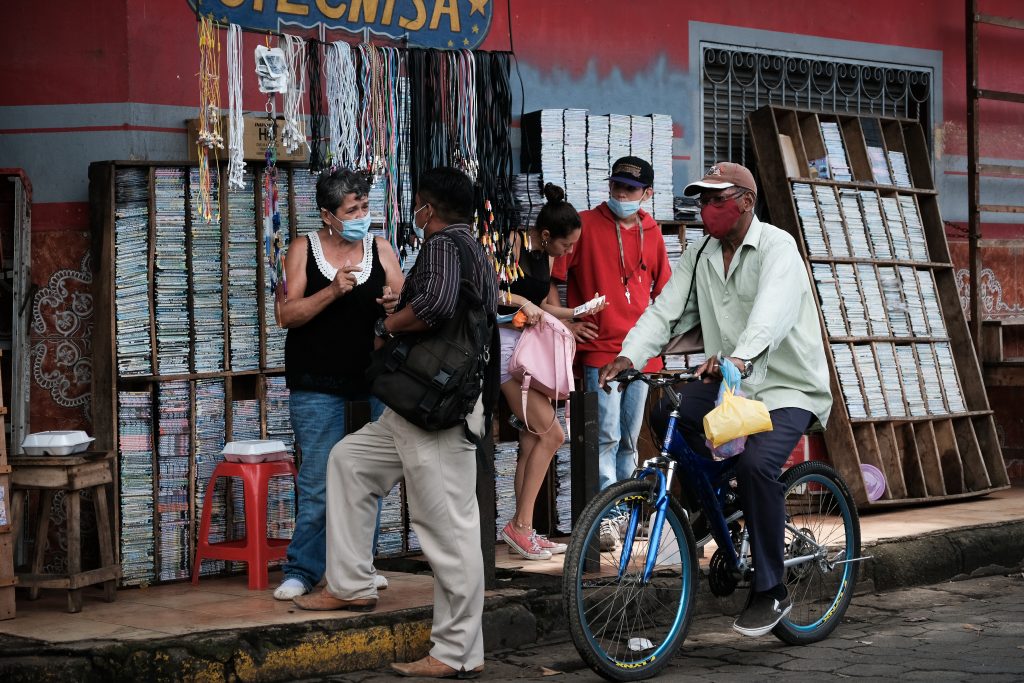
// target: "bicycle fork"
[[664, 468]]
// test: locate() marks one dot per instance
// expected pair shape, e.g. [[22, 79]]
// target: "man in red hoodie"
[[621, 255]]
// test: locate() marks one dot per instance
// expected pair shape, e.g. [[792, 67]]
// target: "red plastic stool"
[[255, 549]]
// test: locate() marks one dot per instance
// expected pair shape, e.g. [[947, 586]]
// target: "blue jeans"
[[619, 415], [318, 421]]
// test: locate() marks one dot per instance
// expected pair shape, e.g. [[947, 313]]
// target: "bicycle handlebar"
[[659, 380]]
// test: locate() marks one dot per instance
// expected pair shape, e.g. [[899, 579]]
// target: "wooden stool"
[[72, 474]]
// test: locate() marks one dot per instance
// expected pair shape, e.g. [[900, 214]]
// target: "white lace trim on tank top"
[[329, 271]]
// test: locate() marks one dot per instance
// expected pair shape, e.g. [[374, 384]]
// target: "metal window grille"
[[737, 80]]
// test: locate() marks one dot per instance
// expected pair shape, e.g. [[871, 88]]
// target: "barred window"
[[738, 80]]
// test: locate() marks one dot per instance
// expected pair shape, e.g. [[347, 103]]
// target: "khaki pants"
[[440, 484]]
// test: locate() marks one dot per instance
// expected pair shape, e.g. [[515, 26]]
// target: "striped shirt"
[[432, 288]]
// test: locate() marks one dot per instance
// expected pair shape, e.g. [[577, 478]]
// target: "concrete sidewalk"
[[222, 631]]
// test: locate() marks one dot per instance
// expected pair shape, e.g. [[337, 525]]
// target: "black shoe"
[[701, 528], [761, 615]]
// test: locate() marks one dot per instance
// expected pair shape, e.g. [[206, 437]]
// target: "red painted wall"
[[96, 52]]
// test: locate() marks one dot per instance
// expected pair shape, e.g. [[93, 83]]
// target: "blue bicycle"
[[629, 609]]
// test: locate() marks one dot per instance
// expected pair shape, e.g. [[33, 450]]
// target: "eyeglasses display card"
[[890, 376], [275, 335], [849, 381], [874, 398], [859, 242], [914, 227], [135, 461], [871, 212], [243, 312], [807, 210], [900, 172], [173, 342], [930, 303], [877, 319], [915, 306], [598, 164], [307, 213], [950, 380], [856, 317], [210, 423], [879, 165], [506, 453], [896, 307], [897, 231], [832, 220], [206, 291], [830, 298], [930, 379], [661, 160], [911, 381], [389, 538], [131, 279], [835, 151], [551, 142], [173, 446], [574, 156]]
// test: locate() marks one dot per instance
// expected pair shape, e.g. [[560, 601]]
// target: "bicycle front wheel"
[[822, 547], [626, 628]]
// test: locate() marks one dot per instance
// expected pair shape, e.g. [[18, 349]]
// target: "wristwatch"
[[748, 368], [380, 330]]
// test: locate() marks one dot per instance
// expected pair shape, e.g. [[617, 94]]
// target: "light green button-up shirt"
[[763, 310]]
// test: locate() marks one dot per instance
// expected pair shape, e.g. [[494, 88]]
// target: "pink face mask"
[[719, 220]]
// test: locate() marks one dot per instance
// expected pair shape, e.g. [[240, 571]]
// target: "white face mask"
[[623, 209], [415, 228]]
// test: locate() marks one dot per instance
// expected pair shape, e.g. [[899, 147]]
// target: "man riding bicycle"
[[752, 298]]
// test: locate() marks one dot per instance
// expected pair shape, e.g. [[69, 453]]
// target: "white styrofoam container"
[[255, 450], [56, 443]]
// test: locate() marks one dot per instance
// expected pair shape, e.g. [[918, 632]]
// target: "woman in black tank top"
[[557, 229], [339, 280]]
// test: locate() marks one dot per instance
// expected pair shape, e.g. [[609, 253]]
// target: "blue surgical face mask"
[[355, 230], [415, 228], [623, 209]]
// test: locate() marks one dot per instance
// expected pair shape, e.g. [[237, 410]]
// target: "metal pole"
[[973, 181]]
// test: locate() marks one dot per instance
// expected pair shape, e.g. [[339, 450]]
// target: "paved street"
[[969, 630]]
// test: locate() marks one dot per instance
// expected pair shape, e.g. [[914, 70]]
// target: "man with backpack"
[[620, 255], [438, 463]]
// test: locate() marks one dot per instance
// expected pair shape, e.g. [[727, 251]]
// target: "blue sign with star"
[[446, 24]]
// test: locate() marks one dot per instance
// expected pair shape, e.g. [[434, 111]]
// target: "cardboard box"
[[256, 136], [809, 447]]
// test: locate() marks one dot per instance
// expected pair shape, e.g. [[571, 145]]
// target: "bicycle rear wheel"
[[626, 629], [822, 529]]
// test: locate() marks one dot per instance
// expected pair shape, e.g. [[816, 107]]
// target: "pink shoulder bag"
[[542, 360]]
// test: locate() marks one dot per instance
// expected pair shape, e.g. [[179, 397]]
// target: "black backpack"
[[433, 379]]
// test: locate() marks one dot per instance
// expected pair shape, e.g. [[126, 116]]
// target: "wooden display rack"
[[248, 384], [924, 457], [7, 578]]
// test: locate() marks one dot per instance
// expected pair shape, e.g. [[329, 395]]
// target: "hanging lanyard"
[[622, 257]]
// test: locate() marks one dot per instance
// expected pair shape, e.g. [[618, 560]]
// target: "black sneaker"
[[761, 615], [701, 528]]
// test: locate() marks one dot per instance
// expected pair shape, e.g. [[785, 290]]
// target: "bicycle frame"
[[708, 478]]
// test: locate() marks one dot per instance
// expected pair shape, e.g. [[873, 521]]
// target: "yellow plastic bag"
[[734, 417]]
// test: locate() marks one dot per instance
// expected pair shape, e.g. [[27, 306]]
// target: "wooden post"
[[584, 450], [584, 455], [486, 503]]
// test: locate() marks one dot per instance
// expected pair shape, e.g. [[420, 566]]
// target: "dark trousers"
[[757, 471]]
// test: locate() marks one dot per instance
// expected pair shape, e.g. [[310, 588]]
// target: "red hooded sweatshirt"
[[596, 265]]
